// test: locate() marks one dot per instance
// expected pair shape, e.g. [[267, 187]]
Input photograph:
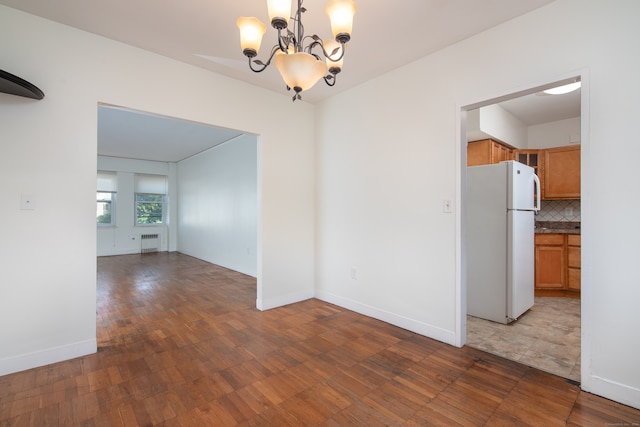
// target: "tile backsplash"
[[559, 210]]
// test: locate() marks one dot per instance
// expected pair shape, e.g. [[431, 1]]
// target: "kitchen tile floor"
[[546, 337]]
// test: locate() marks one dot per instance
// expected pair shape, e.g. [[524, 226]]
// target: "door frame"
[[585, 188]]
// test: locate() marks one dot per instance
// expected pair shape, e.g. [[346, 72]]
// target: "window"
[[106, 198], [150, 196], [106, 204], [149, 209]]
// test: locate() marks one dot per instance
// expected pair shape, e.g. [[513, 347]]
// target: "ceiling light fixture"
[[561, 90], [300, 66]]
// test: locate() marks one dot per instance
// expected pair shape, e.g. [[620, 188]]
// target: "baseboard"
[[36, 359], [120, 252], [621, 393], [130, 251], [430, 331], [268, 304]]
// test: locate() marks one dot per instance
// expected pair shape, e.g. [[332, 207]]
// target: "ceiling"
[[203, 33], [386, 34], [540, 108], [139, 135]]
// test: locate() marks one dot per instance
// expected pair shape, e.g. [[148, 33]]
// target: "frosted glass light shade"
[[251, 32], [300, 71], [330, 46], [279, 11], [341, 15], [561, 90]]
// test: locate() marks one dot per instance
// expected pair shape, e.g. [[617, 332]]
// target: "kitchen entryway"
[[546, 337]]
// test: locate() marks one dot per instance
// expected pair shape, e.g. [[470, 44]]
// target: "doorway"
[[548, 336], [211, 192]]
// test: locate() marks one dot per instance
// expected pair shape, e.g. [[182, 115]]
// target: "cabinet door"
[[479, 152], [574, 279], [573, 256], [562, 173], [573, 262], [487, 151], [532, 158], [550, 261], [499, 152]]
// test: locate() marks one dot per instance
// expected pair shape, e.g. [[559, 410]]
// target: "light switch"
[[27, 202]]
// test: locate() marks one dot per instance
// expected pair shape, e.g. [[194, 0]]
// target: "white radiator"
[[149, 243]]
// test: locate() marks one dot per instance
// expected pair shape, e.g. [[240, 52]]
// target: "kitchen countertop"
[[557, 227]]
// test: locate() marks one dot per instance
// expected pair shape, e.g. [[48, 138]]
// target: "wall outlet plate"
[[27, 202]]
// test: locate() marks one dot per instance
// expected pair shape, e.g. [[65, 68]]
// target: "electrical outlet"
[[354, 273], [568, 212], [447, 206]]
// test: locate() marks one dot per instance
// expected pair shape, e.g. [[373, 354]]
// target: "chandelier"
[[300, 66]]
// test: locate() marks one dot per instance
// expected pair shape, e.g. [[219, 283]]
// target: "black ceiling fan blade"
[[14, 85]]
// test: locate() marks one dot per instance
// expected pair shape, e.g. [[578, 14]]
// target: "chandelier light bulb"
[[279, 13], [251, 32], [334, 60], [341, 13]]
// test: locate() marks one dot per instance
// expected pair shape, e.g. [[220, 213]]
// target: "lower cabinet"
[[551, 266], [557, 265], [573, 262]]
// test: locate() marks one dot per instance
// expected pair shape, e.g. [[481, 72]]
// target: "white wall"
[[495, 122], [48, 275], [382, 178], [124, 237], [217, 208], [554, 134]]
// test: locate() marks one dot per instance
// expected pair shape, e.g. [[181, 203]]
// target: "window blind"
[[107, 182], [150, 184]]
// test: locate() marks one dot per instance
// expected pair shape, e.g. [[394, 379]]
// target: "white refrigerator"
[[501, 201]]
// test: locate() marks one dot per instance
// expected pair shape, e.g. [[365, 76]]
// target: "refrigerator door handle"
[[538, 196]]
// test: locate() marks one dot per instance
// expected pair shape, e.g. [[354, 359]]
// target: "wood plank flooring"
[[181, 344]]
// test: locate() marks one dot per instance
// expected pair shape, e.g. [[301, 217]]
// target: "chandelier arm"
[[330, 80], [281, 44], [264, 65], [318, 42]]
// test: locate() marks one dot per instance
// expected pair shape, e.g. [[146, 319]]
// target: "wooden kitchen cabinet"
[[532, 158], [561, 172], [487, 151], [550, 261], [573, 262], [557, 265]]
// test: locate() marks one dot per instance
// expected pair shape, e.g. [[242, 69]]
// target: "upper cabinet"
[[487, 151], [531, 158], [558, 168], [561, 172]]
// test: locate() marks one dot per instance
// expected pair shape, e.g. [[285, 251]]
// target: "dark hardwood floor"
[[182, 344]]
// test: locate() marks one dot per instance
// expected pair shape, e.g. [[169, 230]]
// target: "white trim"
[[23, 362], [461, 108], [128, 251], [283, 300], [461, 218], [421, 328], [586, 285], [615, 391]]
